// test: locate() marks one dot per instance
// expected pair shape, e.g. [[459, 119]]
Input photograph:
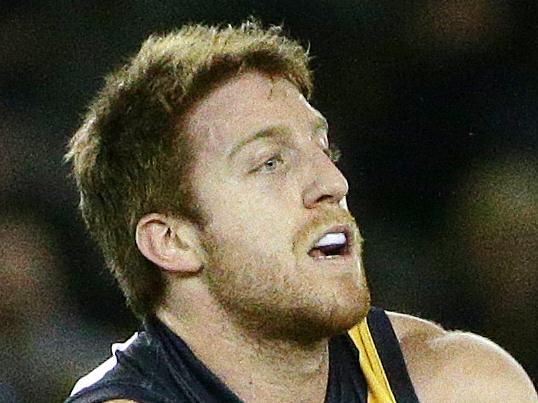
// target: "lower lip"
[[331, 258], [345, 253], [334, 259]]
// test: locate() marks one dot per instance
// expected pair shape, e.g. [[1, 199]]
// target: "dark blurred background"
[[433, 103]]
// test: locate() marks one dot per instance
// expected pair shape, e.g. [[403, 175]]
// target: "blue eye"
[[272, 163]]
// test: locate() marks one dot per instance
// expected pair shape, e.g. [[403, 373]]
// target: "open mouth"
[[334, 242]]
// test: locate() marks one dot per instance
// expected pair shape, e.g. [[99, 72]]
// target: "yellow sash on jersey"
[[378, 385]]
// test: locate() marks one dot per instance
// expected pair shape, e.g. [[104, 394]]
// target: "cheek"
[[252, 218], [254, 236], [257, 244]]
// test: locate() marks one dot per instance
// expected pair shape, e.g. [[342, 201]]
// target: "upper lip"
[[334, 229]]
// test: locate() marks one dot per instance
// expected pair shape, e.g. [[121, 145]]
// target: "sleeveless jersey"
[[155, 366]]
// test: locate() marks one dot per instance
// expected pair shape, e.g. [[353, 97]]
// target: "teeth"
[[331, 239]]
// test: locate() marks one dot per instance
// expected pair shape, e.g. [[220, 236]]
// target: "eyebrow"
[[321, 123], [277, 131], [268, 132]]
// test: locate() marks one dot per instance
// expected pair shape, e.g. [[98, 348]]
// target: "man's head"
[[166, 157]]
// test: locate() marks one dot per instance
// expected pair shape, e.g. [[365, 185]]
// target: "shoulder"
[[103, 371], [122, 378], [458, 366]]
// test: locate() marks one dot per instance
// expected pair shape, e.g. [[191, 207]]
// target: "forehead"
[[243, 104]]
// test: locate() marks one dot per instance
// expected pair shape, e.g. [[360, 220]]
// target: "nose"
[[327, 184]]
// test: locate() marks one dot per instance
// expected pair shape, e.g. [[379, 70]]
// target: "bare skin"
[[452, 366], [260, 292]]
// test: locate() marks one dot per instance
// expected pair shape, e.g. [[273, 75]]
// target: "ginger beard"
[[268, 190], [287, 295]]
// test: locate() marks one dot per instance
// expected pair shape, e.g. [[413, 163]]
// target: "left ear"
[[170, 243]]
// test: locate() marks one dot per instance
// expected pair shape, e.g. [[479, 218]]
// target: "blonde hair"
[[129, 157]]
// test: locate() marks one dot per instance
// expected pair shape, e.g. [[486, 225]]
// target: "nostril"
[[324, 197]]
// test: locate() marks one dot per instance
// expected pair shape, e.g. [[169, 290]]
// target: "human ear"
[[169, 242]]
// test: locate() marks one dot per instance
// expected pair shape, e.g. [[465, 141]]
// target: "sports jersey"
[[156, 366]]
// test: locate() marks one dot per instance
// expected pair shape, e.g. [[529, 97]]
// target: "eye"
[[333, 152], [271, 164]]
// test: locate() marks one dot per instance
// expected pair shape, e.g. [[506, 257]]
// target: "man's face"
[[269, 192]]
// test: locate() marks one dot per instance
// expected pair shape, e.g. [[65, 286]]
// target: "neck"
[[254, 367]]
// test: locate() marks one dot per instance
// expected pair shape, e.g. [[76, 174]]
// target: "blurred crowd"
[[433, 103]]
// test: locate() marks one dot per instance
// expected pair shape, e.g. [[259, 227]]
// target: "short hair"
[[129, 157]]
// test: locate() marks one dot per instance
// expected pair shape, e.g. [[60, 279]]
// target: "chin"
[[311, 322], [339, 317]]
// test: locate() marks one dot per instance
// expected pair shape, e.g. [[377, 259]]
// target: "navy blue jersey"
[[156, 366]]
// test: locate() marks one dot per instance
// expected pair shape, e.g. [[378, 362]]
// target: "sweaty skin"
[[262, 179]]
